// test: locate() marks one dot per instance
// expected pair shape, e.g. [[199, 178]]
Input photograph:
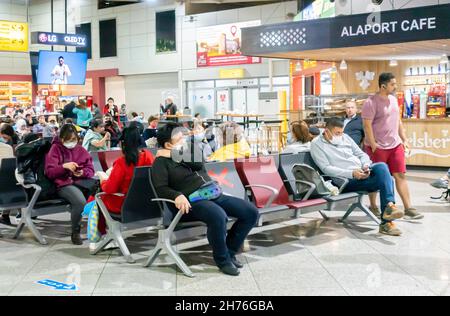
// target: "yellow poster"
[[231, 73], [13, 36]]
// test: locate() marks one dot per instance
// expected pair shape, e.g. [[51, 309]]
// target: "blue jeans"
[[380, 180], [215, 215]]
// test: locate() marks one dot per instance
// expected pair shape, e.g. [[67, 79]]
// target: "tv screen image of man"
[[61, 72]]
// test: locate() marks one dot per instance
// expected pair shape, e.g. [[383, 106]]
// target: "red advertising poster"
[[221, 45]]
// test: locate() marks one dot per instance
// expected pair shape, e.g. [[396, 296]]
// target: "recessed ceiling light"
[[393, 63]]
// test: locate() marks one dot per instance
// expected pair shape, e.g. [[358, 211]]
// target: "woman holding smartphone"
[[68, 164], [179, 174]]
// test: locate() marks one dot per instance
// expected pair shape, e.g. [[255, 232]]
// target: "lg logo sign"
[[47, 38], [61, 39]]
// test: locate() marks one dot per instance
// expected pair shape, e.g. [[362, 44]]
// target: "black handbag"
[[89, 187]]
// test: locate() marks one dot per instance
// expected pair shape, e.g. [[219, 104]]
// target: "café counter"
[[429, 140]]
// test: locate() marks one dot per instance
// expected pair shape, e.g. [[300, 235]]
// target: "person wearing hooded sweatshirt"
[[66, 164]]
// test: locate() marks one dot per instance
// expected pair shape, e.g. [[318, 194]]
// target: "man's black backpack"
[[31, 165]]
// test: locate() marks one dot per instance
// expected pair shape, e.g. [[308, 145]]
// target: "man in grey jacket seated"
[[337, 155]]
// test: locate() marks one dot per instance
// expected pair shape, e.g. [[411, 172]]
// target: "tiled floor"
[[307, 256]]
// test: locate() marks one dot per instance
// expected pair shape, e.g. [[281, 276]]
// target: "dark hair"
[[30, 137], [197, 115], [301, 133], [131, 141], [134, 114], [152, 118], [110, 99], [335, 122], [9, 130], [165, 133], [60, 57], [95, 124], [95, 104], [67, 131], [69, 121], [82, 103], [314, 131], [385, 78]]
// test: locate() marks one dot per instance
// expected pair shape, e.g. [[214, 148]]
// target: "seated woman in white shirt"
[[301, 138]]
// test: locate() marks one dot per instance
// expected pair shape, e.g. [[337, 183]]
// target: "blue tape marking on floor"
[[58, 285]]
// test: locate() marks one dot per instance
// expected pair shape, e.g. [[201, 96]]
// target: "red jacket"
[[120, 179]]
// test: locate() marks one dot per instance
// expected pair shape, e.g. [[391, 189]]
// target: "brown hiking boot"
[[390, 229], [392, 213]]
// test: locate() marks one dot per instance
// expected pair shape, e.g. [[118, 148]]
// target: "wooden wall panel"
[[346, 83]]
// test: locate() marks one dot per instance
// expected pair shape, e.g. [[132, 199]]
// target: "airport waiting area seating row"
[[267, 181]]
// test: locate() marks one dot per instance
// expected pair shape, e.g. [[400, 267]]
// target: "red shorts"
[[394, 158]]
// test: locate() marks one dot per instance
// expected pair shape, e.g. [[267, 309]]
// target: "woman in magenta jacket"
[[66, 164]]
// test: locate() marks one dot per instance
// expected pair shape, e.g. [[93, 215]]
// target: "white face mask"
[[70, 145], [337, 140], [199, 137]]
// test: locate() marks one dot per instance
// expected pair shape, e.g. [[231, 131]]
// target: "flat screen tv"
[[34, 61], [64, 68]]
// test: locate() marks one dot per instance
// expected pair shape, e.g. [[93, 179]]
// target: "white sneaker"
[[111, 245], [92, 246]]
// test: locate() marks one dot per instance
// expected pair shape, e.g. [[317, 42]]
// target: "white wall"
[[346, 7], [115, 88], [144, 93]]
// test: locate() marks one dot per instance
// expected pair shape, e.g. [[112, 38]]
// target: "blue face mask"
[[2, 140]]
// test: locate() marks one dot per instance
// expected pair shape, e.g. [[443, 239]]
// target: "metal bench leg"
[[106, 240], [19, 229], [168, 247], [165, 244], [26, 220], [325, 217], [153, 255], [369, 213], [349, 211], [180, 263], [34, 230], [122, 246]]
